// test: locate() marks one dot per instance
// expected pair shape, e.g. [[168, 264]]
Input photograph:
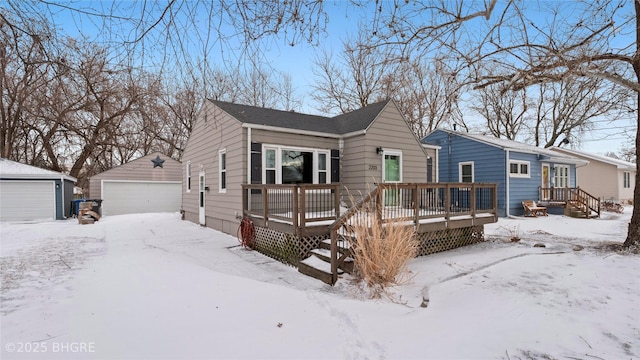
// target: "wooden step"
[[325, 255], [316, 268]]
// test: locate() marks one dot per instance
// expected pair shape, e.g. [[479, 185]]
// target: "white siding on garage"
[[132, 197], [27, 200]]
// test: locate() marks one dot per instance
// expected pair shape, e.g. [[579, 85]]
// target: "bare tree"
[[568, 108], [528, 43], [356, 79], [427, 93], [505, 113]]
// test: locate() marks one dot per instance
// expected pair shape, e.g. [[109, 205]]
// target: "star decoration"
[[157, 162]]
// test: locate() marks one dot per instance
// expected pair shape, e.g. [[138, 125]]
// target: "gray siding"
[[140, 169], [215, 130], [355, 167], [362, 166]]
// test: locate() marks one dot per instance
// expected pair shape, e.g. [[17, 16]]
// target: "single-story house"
[[152, 183], [234, 144], [522, 172], [30, 193], [604, 177]]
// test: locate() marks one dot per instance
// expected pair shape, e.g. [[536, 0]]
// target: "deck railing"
[[414, 204], [571, 196], [298, 205]]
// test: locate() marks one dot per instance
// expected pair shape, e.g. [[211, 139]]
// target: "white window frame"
[[556, 176], [397, 153], [626, 180], [188, 176], [278, 169], [222, 172], [520, 174], [473, 170]]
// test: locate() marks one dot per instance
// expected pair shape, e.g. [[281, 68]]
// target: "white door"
[[137, 197], [201, 199], [27, 200]]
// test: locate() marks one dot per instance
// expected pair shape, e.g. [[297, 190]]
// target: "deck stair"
[[318, 265], [575, 201]]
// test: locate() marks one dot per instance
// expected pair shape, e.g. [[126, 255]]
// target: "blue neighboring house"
[[519, 169]]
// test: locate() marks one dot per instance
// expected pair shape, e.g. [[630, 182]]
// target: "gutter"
[[506, 173], [302, 132]]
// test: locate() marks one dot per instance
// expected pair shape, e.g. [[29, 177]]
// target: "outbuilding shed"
[[152, 183], [29, 193]]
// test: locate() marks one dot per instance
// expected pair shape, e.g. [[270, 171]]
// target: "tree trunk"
[[633, 236]]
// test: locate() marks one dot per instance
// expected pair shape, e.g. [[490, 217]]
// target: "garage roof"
[[14, 170]]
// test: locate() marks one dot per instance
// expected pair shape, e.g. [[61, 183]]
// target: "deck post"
[[336, 200], [447, 202], [297, 214], [334, 256], [265, 204], [472, 199], [379, 199], [414, 199]]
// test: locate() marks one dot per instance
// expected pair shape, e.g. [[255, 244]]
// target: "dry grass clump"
[[382, 251]]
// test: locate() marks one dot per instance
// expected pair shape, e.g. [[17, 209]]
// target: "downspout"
[[449, 157], [506, 173], [437, 165]]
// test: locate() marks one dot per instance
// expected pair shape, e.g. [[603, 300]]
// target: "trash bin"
[[76, 206], [97, 205]]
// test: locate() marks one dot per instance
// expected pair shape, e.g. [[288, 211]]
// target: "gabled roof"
[[620, 164], [516, 146], [14, 170], [357, 120]]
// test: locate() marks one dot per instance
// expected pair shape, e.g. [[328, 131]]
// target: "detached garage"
[[152, 183], [29, 193]]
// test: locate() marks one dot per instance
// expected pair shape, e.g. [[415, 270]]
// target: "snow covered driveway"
[[151, 286]]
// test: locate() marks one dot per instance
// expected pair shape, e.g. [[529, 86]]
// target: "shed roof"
[[342, 124], [10, 169]]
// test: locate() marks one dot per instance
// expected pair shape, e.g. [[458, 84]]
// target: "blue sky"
[[298, 61]]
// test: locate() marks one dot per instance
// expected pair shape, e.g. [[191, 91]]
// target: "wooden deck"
[[309, 210], [573, 199]]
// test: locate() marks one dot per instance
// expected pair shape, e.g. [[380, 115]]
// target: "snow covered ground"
[[154, 287]]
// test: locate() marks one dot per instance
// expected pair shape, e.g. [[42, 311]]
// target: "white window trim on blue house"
[[473, 173], [523, 169]]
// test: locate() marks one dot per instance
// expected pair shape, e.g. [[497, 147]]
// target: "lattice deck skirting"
[[284, 247], [436, 241], [290, 249]]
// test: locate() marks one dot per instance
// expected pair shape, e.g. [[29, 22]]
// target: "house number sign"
[[373, 167]]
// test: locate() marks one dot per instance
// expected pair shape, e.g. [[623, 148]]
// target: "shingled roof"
[[339, 125]]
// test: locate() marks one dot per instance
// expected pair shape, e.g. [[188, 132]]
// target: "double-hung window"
[[465, 172], [222, 168], [626, 180], [188, 175]]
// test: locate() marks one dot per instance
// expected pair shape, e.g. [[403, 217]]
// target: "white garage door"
[[27, 200], [133, 197]]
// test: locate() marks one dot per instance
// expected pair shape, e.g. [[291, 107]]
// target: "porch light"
[[379, 150]]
